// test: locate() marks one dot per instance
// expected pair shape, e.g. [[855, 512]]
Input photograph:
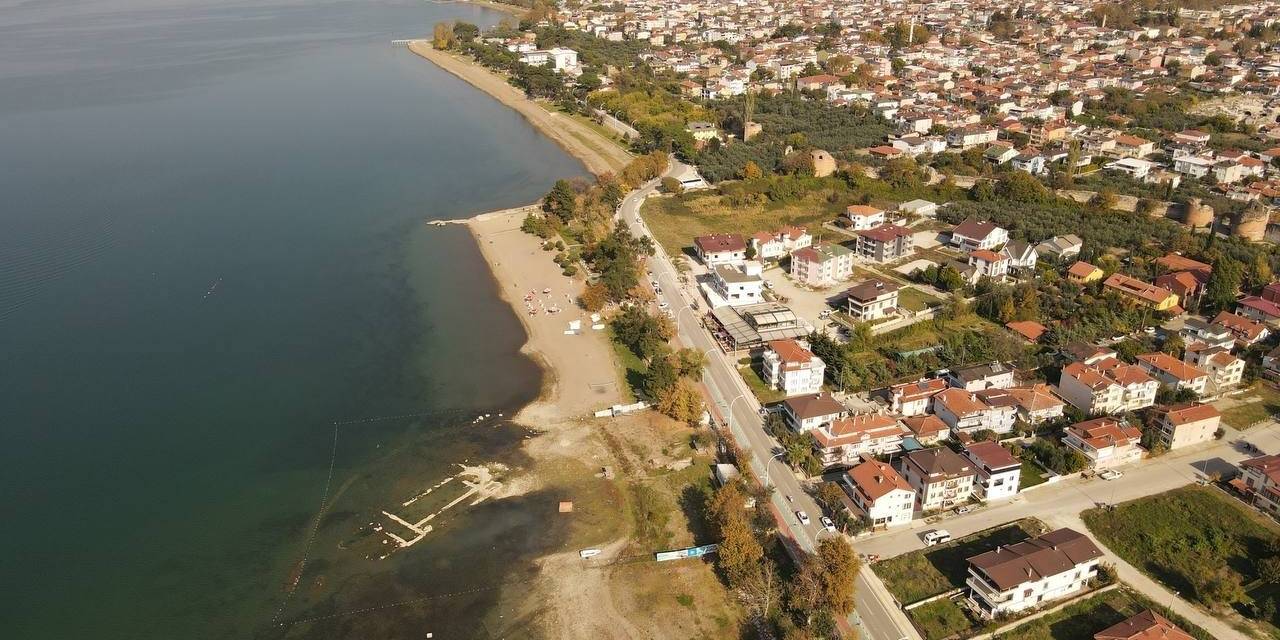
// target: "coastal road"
[[876, 616]]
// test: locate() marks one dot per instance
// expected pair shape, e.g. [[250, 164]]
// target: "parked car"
[[803, 518], [1111, 474], [936, 536], [827, 524], [963, 509]]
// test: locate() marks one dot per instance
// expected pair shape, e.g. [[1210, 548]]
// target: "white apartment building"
[[966, 412], [737, 285], [1108, 386], [844, 441], [804, 413], [1032, 573], [1188, 425], [881, 493], [1106, 442], [822, 265], [791, 368], [872, 299], [914, 398], [1174, 372], [999, 473]]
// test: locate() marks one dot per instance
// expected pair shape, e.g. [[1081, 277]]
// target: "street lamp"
[[767, 482], [740, 396]]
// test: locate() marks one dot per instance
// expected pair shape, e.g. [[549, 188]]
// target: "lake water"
[[218, 302]]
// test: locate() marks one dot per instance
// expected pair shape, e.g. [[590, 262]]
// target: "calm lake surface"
[[218, 303]]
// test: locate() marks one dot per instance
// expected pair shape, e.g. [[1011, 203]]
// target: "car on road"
[[1111, 474], [654, 283], [663, 305], [828, 524], [963, 509], [936, 536], [803, 518]]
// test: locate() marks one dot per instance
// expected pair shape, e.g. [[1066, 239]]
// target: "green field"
[[1261, 402], [631, 369], [1080, 621], [913, 299], [1032, 475], [1199, 541], [942, 619], [751, 375], [917, 575], [677, 220]]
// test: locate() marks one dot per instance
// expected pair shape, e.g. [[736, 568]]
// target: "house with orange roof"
[[1142, 293], [1107, 386], [927, 430], [914, 398], [1187, 424], [1107, 442], [989, 263], [791, 368], [1225, 370], [846, 440], [882, 494], [862, 217], [1083, 273], [967, 412], [1245, 331], [1174, 372], [1030, 330]]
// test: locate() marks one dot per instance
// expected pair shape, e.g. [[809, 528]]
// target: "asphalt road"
[[874, 617]]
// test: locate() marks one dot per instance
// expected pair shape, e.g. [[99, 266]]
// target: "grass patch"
[[1191, 539], [758, 386], [913, 299], [1032, 475], [685, 600], [1080, 621], [941, 619], [917, 575], [631, 369], [1260, 402], [675, 221]]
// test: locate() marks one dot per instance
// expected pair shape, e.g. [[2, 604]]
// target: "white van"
[[937, 536]]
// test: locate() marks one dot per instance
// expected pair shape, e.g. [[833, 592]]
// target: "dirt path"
[[600, 154]]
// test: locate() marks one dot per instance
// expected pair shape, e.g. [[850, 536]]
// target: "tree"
[[660, 377], [561, 201], [442, 36], [681, 402], [644, 334], [465, 32], [1269, 569], [690, 362], [1224, 283], [1021, 187], [751, 171], [594, 297], [671, 185]]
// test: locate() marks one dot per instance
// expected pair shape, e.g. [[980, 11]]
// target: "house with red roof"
[[1174, 372], [1147, 625], [882, 494], [1187, 424], [791, 368], [1261, 480], [846, 440], [1107, 442]]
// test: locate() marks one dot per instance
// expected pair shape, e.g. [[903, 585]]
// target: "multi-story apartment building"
[[1174, 372], [791, 368], [844, 441], [1108, 386], [1032, 573], [881, 493], [885, 243], [940, 477], [1188, 425], [1106, 442], [1261, 478], [804, 413], [872, 299], [999, 473], [821, 265]]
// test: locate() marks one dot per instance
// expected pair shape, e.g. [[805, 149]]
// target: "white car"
[[937, 536], [803, 518], [1111, 474], [654, 283], [663, 305], [963, 509], [827, 524]]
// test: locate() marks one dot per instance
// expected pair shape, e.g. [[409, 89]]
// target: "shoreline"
[[509, 9], [599, 154]]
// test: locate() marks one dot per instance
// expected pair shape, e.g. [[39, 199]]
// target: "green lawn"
[[1193, 539], [1261, 402], [1032, 475], [942, 619], [631, 369], [914, 576], [913, 299], [751, 375], [1080, 621]]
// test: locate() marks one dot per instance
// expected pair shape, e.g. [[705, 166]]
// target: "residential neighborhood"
[[988, 292]]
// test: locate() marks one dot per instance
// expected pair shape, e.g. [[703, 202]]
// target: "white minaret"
[[911, 33]]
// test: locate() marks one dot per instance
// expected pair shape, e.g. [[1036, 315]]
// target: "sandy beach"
[[580, 373], [600, 154]]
